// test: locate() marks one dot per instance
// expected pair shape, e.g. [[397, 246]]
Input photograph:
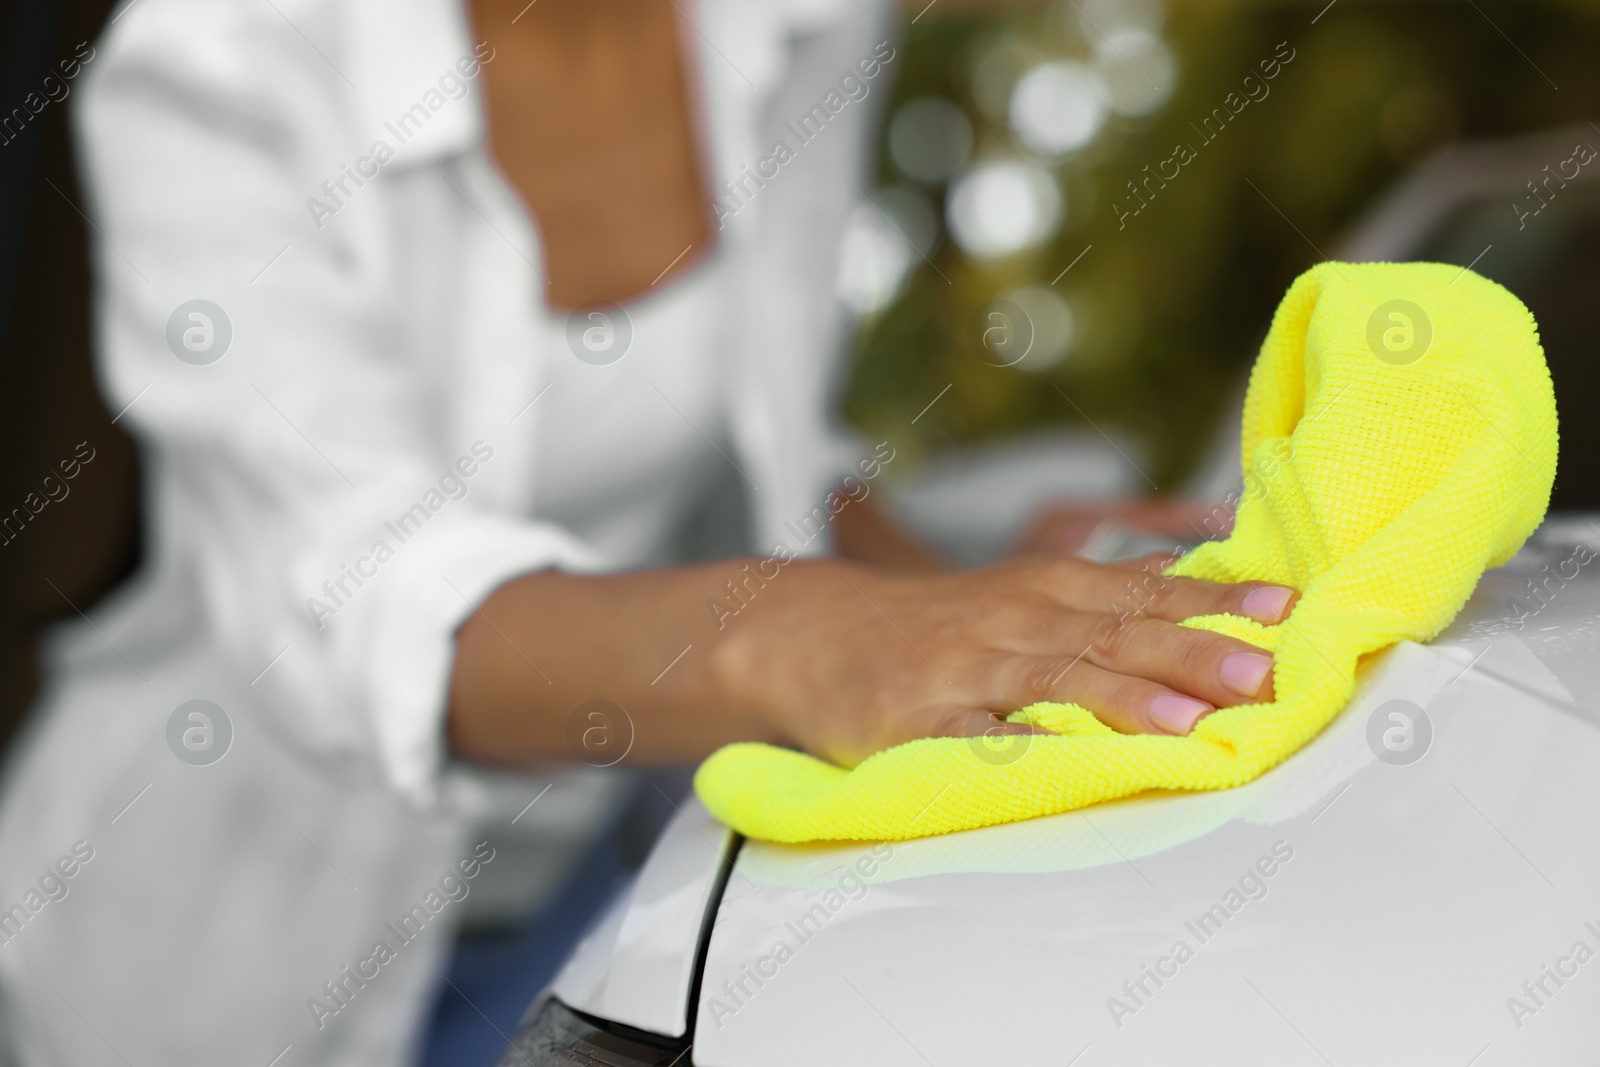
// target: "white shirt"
[[392, 378]]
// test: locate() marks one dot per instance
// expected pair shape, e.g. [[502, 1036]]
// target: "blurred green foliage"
[[1172, 304]]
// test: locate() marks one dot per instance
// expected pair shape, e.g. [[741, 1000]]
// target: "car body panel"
[[637, 966], [1405, 907]]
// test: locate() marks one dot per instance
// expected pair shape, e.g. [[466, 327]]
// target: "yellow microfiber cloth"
[[1399, 437]]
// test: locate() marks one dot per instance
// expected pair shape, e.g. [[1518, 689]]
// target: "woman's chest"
[[595, 118]]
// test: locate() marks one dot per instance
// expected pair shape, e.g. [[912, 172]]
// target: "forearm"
[[544, 644], [839, 659]]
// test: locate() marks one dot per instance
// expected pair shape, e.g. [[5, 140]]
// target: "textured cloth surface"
[[1399, 437]]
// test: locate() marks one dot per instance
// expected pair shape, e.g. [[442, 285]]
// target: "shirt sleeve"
[[311, 504]]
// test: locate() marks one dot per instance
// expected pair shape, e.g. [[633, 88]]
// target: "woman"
[[433, 323]]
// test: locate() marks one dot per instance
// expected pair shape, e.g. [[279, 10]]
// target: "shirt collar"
[[415, 73]]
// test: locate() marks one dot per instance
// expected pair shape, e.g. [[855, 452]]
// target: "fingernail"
[[1244, 672], [1266, 604], [1177, 714]]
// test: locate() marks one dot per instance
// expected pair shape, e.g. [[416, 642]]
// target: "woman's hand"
[[1065, 528], [844, 661], [838, 658]]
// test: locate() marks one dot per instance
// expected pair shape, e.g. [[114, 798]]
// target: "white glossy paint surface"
[[1414, 901], [636, 966]]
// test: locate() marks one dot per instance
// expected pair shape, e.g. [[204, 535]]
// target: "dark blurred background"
[[60, 559], [1010, 136], [1151, 330]]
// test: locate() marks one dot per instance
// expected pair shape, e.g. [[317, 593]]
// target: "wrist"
[[772, 638]]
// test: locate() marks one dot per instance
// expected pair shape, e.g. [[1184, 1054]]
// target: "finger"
[[1189, 519], [1146, 591], [1127, 704], [1155, 562], [1220, 670], [1176, 599]]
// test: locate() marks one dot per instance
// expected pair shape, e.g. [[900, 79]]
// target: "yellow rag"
[[1399, 437]]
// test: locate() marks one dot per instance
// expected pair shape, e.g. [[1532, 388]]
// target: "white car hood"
[[1405, 907], [1341, 909]]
